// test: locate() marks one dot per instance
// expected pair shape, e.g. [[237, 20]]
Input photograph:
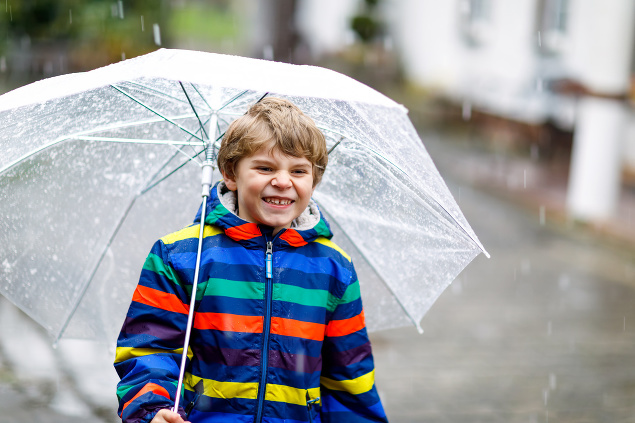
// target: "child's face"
[[272, 188]]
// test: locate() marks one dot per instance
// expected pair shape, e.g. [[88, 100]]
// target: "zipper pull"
[[269, 260]]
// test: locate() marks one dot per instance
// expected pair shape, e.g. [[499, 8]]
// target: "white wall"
[[325, 24]]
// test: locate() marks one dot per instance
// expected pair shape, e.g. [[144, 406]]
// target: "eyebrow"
[[257, 162]]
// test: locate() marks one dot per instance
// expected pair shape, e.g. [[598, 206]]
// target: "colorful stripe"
[[218, 389], [345, 327], [355, 386], [126, 353], [297, 328], [228, 322], [159, 299], [293, 238], [150, 387], [328, 243], [191, 232], [244, 232], [290, 395]]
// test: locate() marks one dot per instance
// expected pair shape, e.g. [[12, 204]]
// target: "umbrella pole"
[[207, 182], [208, 169]]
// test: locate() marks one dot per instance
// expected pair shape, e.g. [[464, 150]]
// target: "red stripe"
[[243, 232], [346, 326], [150, 387], [228, 322], [293, 238], [159, 299], [297, 328]]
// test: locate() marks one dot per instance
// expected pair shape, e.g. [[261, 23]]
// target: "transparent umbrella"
[[95, 166]]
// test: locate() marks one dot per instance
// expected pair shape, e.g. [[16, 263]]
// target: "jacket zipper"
[[266, 329]]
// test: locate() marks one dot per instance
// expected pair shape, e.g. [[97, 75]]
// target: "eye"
[[264, 168], [300, 172]]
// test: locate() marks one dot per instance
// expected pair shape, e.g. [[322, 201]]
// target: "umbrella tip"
[[419, 329]]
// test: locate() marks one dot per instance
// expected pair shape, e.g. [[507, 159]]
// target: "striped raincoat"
[[284, 345]]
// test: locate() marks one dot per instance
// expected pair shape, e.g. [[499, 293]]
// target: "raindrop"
[[3, 64], [157, 34], [545, 396], [70, 16], [466, 110], [142, 24], [267, 52], [564, 282], [542, 215], [539, 40], [552, 381], [539, 84], [33, 271], [120, 4], [525, 178], [123, 55], [525, 267]]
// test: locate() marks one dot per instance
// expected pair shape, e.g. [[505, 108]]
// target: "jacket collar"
[[221, 212]]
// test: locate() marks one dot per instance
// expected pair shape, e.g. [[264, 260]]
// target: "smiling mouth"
[[278, 201]]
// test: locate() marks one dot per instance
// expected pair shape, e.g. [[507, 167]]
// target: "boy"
[[279, 332]]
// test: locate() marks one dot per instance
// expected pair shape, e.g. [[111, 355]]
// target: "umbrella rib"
[[403, 307], [135, 141], [154, 184], [193, 109], [154, 91], [85, 286], [136, 100]]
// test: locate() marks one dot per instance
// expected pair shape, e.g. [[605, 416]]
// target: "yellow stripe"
[[191, 232], [283, 393], [126, 353], [217, 389], [331, 244], [354, 386]]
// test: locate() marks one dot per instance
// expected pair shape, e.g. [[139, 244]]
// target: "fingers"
[[167, 416]]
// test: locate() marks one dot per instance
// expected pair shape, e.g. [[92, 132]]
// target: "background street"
[[544, 331]]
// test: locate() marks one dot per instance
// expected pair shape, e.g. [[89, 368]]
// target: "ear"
[[230, 182]]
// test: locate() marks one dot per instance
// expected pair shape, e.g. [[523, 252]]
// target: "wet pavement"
[[544, 331]]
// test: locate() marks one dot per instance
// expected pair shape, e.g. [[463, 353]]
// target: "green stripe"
[[235, 289], [352, 293], [155, 264], [122, 390], [304, 296], [218, 212], [322, 229]]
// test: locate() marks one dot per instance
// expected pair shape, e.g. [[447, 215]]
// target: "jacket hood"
[[221, 212]]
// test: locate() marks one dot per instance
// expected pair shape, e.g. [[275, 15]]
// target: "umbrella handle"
[[207, 183]]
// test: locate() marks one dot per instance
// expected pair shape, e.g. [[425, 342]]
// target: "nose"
[[281, 180]]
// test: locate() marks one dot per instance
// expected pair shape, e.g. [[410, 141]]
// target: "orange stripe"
[[228, 322], [297, 328], [293, 238], [159, 299], [150, 387], [346, 326], [243, 232]]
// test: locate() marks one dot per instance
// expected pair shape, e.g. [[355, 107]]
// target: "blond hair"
[[281, 124]]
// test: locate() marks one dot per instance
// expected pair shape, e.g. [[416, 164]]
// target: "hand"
[[167, 416]]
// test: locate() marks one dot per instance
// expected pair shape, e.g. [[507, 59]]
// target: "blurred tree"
[[40, 38], [366, 24]]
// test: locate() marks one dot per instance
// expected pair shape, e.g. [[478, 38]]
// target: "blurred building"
[[562, 64]]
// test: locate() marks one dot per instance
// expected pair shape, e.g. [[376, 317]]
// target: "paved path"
[[544, 331]]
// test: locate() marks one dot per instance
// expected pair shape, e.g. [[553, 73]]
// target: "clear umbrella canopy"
[[96, 166]]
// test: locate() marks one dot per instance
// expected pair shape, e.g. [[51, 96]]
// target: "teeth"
[[277, 201]]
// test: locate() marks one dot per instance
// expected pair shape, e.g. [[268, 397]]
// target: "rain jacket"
[[288, 344]]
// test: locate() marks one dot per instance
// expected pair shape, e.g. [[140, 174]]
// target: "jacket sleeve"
[[150, 344], [348, 373]]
